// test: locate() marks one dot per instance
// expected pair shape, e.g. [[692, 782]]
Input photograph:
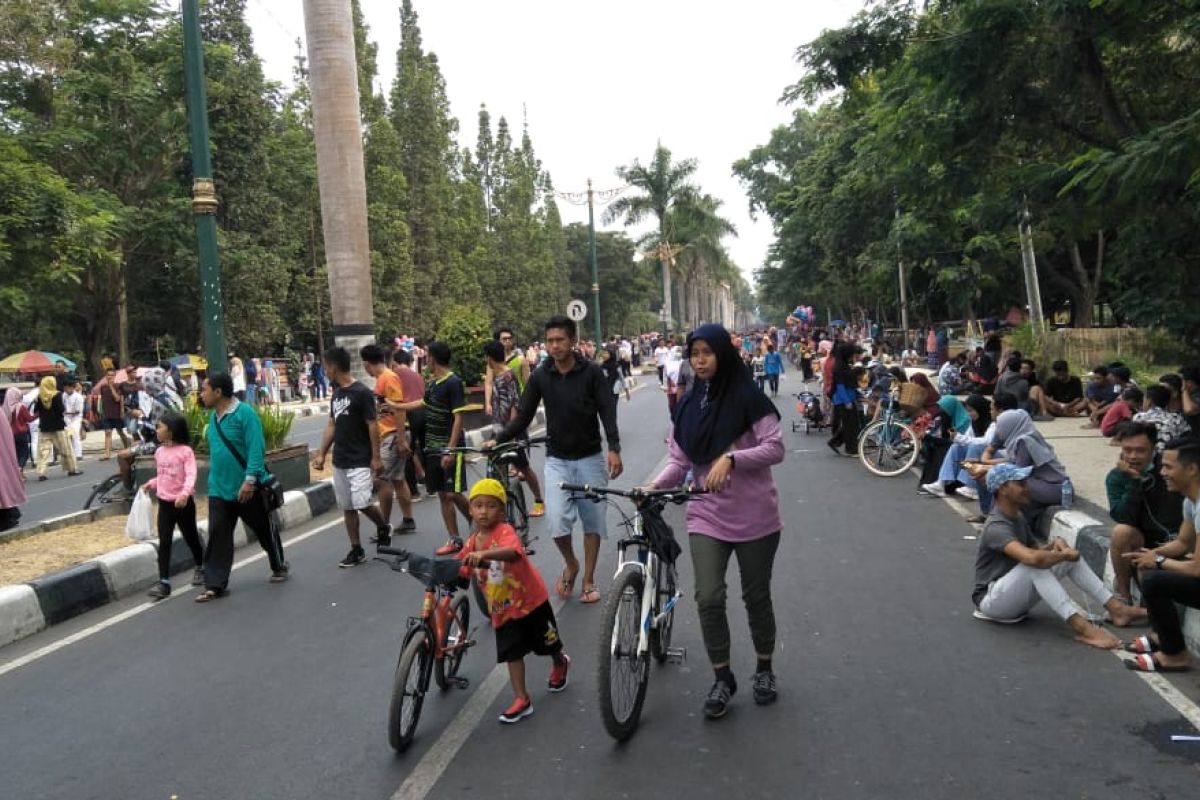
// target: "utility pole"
[[595, 270], [1033, 292], [903, 286], [204, 192], [341, 176]]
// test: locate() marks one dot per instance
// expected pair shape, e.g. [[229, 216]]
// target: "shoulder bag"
[[269, 487]]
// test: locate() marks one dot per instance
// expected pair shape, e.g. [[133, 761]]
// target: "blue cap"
[[1003, 473]]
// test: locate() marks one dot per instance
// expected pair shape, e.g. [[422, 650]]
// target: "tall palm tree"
[[333, 76], [664, 184]]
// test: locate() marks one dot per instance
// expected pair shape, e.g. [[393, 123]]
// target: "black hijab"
[[983, 407], [714, 414]]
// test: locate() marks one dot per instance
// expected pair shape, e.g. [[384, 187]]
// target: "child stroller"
[[812, 416]]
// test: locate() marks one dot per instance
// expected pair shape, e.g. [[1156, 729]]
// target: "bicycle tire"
[[888, 448], [518, 516], [406, 695], [621, 620], [445, 669], [660, 635], [102, 489]]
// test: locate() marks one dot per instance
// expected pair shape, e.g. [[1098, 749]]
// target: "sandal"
[[208, 595], [1141, 645], [565, 586], [1147, 663], [589, 595]]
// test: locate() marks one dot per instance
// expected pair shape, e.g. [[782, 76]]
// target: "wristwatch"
[[1158, 561]]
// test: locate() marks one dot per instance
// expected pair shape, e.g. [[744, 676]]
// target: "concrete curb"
[[1091, 538], [20, 613]]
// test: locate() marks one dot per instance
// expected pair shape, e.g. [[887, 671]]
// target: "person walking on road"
[[727, 434], [413, 386], [174, 484], [1014, 570], [12, 481], [51, 412], [578, 398], [236, 451], [505, 398], [112, 412], [73, 405], [1171, 574], [843, 390], [19, 419], [353, 433], [394, 450]]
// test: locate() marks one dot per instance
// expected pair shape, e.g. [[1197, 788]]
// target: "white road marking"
[[438, 757], [79, 636]]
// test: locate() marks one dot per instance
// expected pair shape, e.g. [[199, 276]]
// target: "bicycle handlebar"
[[499, 448], [677, 495]]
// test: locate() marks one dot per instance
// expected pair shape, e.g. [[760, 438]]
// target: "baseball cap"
[[1003, 473]]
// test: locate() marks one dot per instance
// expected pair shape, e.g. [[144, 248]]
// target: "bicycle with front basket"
[[639, 610], [435, 643], [889, 446]]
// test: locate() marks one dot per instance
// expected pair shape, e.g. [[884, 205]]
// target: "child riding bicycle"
[[517, 599]]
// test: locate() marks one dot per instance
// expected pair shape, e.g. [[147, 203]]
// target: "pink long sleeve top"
[[176, 477], [748, 508]]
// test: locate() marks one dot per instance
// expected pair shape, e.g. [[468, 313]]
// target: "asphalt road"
[[889, 689], [62, 494]]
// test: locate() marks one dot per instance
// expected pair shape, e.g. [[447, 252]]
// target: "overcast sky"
[[602, 82]]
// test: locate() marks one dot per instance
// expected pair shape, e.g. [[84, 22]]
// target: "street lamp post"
[[204, 192], [595, 269]]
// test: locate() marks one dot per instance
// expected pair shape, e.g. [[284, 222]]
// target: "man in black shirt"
[[578, 398], [353, 432], [1062, 396]]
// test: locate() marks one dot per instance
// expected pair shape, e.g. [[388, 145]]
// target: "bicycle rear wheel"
[[101, 491], [888, 448], [408, 690], [624, 673], [457, 629], [518, 516]]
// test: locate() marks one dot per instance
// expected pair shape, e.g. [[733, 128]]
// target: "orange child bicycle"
[[434, 644]]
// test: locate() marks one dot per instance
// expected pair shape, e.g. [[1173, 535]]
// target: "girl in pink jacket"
[[175, 485]]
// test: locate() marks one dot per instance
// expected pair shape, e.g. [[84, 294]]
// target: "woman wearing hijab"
[[932, 397], [844, 397], [19, 419], [12, 482], [1024, 446], [727, 433], [53, 429], [972, 426]]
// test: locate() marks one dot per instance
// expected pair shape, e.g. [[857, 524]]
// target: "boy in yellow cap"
[[516, 595]]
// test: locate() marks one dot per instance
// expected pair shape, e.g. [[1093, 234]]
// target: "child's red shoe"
[[558, 675], [521, 708]]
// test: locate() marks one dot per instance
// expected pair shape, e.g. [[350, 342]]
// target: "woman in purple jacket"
[[727, 432]]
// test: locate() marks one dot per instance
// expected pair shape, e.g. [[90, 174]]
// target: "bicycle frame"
[[435, 619], [647, 563]]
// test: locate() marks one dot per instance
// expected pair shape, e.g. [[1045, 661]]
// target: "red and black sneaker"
[[521, 708], [558, 674], [451, 547]]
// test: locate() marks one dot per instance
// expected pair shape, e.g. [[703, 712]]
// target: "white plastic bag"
[[140, 525]]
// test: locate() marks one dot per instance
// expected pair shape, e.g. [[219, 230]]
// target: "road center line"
[[437, 758], [79, 636]]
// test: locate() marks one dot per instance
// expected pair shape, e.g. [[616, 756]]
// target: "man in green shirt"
[[236, 449], [1147, 514]]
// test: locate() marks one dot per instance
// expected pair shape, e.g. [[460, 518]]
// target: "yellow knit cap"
[[490, 487]]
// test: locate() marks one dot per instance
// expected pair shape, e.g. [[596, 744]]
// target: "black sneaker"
[[198, 576], [408, 525], [764, 688], [382, 536], [159, 591], [355, 557], [718, 699]]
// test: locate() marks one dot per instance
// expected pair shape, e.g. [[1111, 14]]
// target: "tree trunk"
[[122, 312], [1087, 285], [337, 129]]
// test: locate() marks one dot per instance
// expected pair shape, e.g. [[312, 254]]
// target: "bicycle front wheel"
[[101, 491], [408, 690], [518, 517], [888, 448], [624, 673], [457, 627]]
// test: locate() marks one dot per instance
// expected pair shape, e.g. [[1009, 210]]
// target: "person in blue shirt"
[[773, 364]]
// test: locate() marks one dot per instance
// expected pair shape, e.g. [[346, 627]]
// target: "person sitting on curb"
[[1014, 570], [950, 379], [1190, 397], [1146, 513], [1100, 394], [1121, 411], [1062, 396], [1170, 426], [1023, 446], [1169, 576]]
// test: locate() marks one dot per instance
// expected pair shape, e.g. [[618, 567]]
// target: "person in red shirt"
[[1121, 411], [517, 599]]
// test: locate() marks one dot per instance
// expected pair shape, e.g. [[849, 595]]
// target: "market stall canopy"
[[34, 361], [190, 363]]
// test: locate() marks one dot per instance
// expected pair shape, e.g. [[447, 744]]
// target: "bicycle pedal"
[[676, 655]]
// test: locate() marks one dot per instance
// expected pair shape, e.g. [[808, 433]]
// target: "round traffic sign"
[[577, 310]]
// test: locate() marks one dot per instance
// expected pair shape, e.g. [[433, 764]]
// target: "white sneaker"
[[936, 489], [977, 614], [968, 492]]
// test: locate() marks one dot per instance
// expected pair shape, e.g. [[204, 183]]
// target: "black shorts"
[[1152, 533], [438, 479], [536, 633]]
